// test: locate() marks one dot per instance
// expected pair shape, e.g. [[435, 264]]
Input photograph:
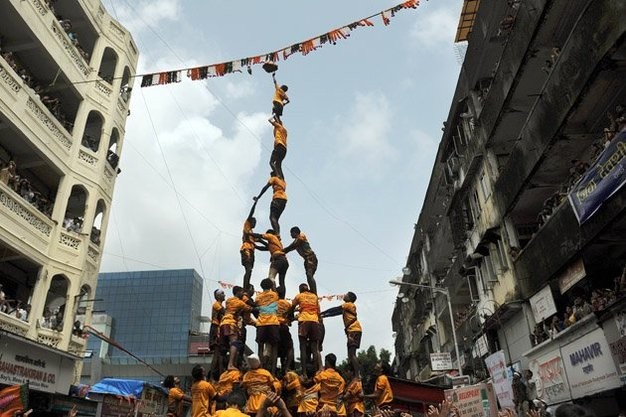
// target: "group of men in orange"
[[319, 387]]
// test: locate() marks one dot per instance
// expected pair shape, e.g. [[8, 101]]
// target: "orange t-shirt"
[[202, 393], [309, 306], [274, 245], [283, 310], [354, 397], [292, 389], [310, 400], [279, 186], [331, 386], [247, 239], [349, 318], [386, 396], [267, 301], [234, 308], [227, 381], [217, 311], [257, 382], [279, 95], [280, 135], [174, 400]]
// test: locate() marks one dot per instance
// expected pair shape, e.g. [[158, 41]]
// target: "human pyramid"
[[318, 387]]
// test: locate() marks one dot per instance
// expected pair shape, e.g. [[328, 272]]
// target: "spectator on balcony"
[[112, 158], [90, 142], [569, 317], [95, 235], [556, 325], [22, 311], [3, 301], [77, 330], [8, 174], [46, 318], [582, 308]]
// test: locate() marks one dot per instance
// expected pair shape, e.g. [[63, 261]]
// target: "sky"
[[364, 124]]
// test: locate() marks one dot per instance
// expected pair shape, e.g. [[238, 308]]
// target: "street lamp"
[[445, 292]]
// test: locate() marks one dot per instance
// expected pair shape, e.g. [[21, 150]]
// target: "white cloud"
[[363, 134], [435, 27], [146, 14]]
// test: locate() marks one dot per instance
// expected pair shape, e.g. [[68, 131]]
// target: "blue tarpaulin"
[[125, 387]]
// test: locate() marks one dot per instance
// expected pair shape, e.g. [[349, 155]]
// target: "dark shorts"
[[280, 263], [279, 153], [247, 258], [310, 264], [277, 108], [354, 339], [286, 342], [268, 334], [214, 335], [322, 333], [309, 330], [277, 206]]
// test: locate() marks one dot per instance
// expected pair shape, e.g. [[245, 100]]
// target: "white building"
[[65, 72]]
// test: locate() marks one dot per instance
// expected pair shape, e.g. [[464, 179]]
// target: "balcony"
[[13, 325], [49, 337]]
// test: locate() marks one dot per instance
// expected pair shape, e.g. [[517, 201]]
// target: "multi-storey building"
[[65, 73], [538, 101], [155, 315]]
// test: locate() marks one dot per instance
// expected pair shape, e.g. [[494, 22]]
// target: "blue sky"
[[364, 122]]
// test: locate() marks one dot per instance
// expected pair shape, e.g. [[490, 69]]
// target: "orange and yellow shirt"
[[202, 393], [233, 309], [350, 321], [274, 244], [382, 385], [292, 389], [174, 400], [279, 186], [279, 95], [309, 306], [230, 412], [283, 311], [267, 301], [217, 311], [257, 382], [331, 386], [310, 399], [247, 239], [280, 135], [227, 381], [354, 397]]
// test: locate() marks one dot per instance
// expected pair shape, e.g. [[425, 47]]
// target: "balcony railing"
[[13, 325], [49, 337], [23, 212]]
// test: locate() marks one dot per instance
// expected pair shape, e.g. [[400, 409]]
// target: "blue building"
[[153, 314]]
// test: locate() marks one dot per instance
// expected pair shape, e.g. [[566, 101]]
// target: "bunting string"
[[329, 297], [304, 48]]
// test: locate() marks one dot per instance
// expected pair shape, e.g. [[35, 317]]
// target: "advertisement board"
[[589, 365], [496, 364], [615, 332], [43, 369], [441, 361], [549, 377], [542, 304], [474, 401]]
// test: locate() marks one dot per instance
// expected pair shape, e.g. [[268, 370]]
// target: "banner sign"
[[441, 361], [549, 377], [474, 400], [589, 365], [601, 181], [13, 399], [496, 364], [574, 273], [542, 304]]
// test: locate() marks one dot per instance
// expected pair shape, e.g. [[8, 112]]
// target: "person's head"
[[249, 290], [267, 284], [197, 373], [572, 410], [270, 232], [578, 301], [237, 291], [383, 368], [349, 297], [295, 232], [303, 287], [330, 360], [254, 362], [236, 399], [219, 295], [168, 382], [568, 310]]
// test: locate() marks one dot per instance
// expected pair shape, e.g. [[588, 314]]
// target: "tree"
[[367, 361]]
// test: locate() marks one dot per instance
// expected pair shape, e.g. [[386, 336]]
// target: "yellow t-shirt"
[[217, 311], [331, 386], [283, 310], [310, 400], [234, 308], [279, 95], [267, 301], [174, 400], [386, 396], [279, 186], [274, 245], [350, 322], [230, 412], [280, 135], [257, 382], [247, 239], [227, 381], [354, 397], [202, 393], [309, 306], [292, 389]]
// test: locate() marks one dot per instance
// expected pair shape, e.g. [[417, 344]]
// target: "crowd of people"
[[22, 186]]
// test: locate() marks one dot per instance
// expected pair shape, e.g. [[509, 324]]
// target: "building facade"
[[537, 110], [65, 71], [156, 315]]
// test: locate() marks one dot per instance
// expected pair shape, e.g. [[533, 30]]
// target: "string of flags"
[[304, 47], [330, 297]]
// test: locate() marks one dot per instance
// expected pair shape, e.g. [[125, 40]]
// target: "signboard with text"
[[615, 332], [549, 377], [496, 364], [574, 273], [589, 365], [542, 304], [441, 361], [43, 369], [474, 401]]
